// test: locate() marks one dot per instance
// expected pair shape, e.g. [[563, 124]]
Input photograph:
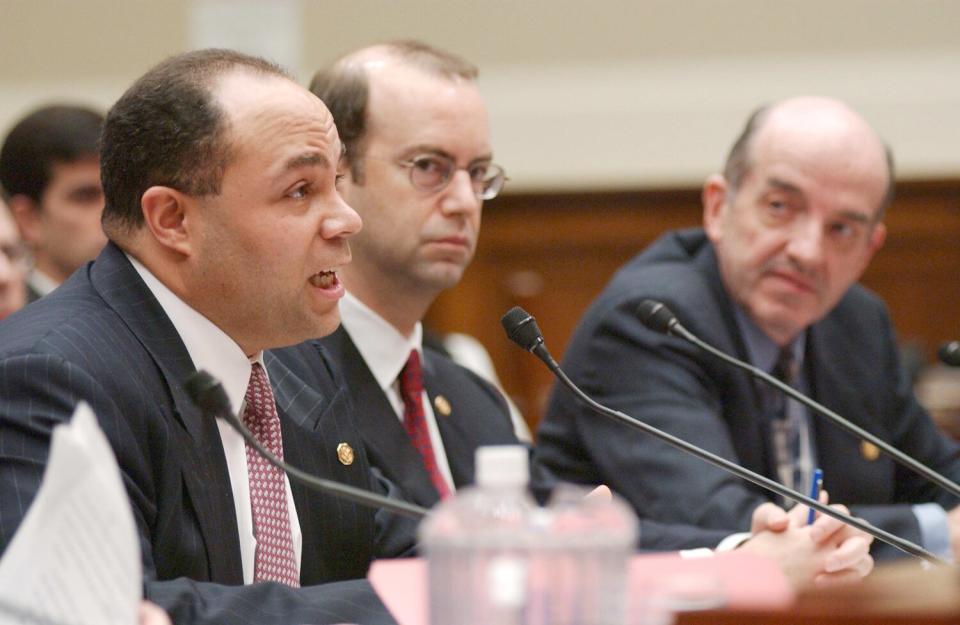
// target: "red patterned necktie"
[[415, 422], [274, 560]]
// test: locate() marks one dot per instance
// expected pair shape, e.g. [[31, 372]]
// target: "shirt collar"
[[41, 282], [761, 350], [210, 348], [383, 348]]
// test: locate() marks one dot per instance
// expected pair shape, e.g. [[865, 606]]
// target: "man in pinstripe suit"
[[226, 231]]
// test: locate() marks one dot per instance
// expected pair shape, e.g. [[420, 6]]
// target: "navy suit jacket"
[[478, 416], [103, 338], [852, 366]]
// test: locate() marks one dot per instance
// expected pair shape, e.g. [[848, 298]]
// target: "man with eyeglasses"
[[420, 166], [13, 265]]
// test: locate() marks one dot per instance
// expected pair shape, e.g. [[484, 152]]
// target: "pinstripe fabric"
[[102, 337], [479, 416]]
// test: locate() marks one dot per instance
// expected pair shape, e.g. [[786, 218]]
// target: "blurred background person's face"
[[13, 265]]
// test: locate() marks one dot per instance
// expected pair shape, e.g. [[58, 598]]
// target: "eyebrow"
[[307, 160], [428, 149], [783, 185], [85, 189], [854, 216]]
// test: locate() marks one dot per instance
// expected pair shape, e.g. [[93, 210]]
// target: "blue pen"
[[815, 486]]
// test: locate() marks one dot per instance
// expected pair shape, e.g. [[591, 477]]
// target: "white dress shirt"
[[41, 282], [386, 351], [211, 349]]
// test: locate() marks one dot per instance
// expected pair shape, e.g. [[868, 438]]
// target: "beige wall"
[[608, 93]]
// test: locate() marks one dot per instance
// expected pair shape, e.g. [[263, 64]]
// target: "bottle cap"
[[502, 465]]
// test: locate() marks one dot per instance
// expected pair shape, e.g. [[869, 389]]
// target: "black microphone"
[[208, 394], [656, 316], [517, 315], [949, 353]]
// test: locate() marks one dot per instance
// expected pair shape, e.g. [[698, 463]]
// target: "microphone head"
[[522, 328], [208, 394], [949, 353], [656, 316]]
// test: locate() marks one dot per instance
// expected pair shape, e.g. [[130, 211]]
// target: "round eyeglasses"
[[433, 172]]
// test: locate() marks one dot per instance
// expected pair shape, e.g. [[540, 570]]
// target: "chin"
[[326, 325]]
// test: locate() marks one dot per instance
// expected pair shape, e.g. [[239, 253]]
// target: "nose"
[[460, 196], [806, 243], [341, 222]]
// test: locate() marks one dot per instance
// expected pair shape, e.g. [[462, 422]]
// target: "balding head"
[[345, 86], [811, 119]]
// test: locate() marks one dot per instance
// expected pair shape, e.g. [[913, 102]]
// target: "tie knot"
[[411, 376], [785, 368], [258, 389]]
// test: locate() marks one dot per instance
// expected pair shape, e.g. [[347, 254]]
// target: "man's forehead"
[[261, 106], [241, 92]]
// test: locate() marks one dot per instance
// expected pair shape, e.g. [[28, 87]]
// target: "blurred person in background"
[[13, 265], [50, 172]]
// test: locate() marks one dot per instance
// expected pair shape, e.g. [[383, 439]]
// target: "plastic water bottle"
[[580, 558], [478, 545]]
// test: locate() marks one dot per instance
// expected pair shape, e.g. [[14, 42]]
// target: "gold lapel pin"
[[442, 405], [869, 451], [345, 454]]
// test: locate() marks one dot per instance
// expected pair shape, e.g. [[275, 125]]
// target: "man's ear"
[[165, 212], [26, 212], [714, 199], [877, 238]]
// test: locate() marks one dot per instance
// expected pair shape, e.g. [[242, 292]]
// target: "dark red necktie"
[[274, 560], [415, 421]]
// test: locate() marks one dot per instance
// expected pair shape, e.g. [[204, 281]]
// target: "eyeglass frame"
[[453, 168]]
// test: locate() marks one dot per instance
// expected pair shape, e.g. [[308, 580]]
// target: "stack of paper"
[[75, 560]]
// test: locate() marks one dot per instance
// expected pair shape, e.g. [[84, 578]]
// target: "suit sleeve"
[[38, 392], [197, 603], [664, 383], [911, 430]]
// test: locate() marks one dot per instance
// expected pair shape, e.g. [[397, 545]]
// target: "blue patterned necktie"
[[787, 425]]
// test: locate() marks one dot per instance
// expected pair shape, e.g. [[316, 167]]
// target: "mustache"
[[792, 267]]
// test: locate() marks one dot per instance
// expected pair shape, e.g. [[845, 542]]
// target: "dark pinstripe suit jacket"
[[103, 338], [478, 416]]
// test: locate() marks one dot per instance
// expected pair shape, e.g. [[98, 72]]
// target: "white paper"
[[75, 558]]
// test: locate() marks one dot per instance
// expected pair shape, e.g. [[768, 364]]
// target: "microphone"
[[208, 394], [949, 353], [516, 316], [656, 316]]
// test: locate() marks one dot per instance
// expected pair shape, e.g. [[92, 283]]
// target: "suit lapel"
[[204, 468], [452, 426], [840, 453], [315, 420], [383, 434]]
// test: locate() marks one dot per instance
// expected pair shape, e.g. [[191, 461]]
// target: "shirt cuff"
[[934, 530], [733, 541], [693, 554]]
